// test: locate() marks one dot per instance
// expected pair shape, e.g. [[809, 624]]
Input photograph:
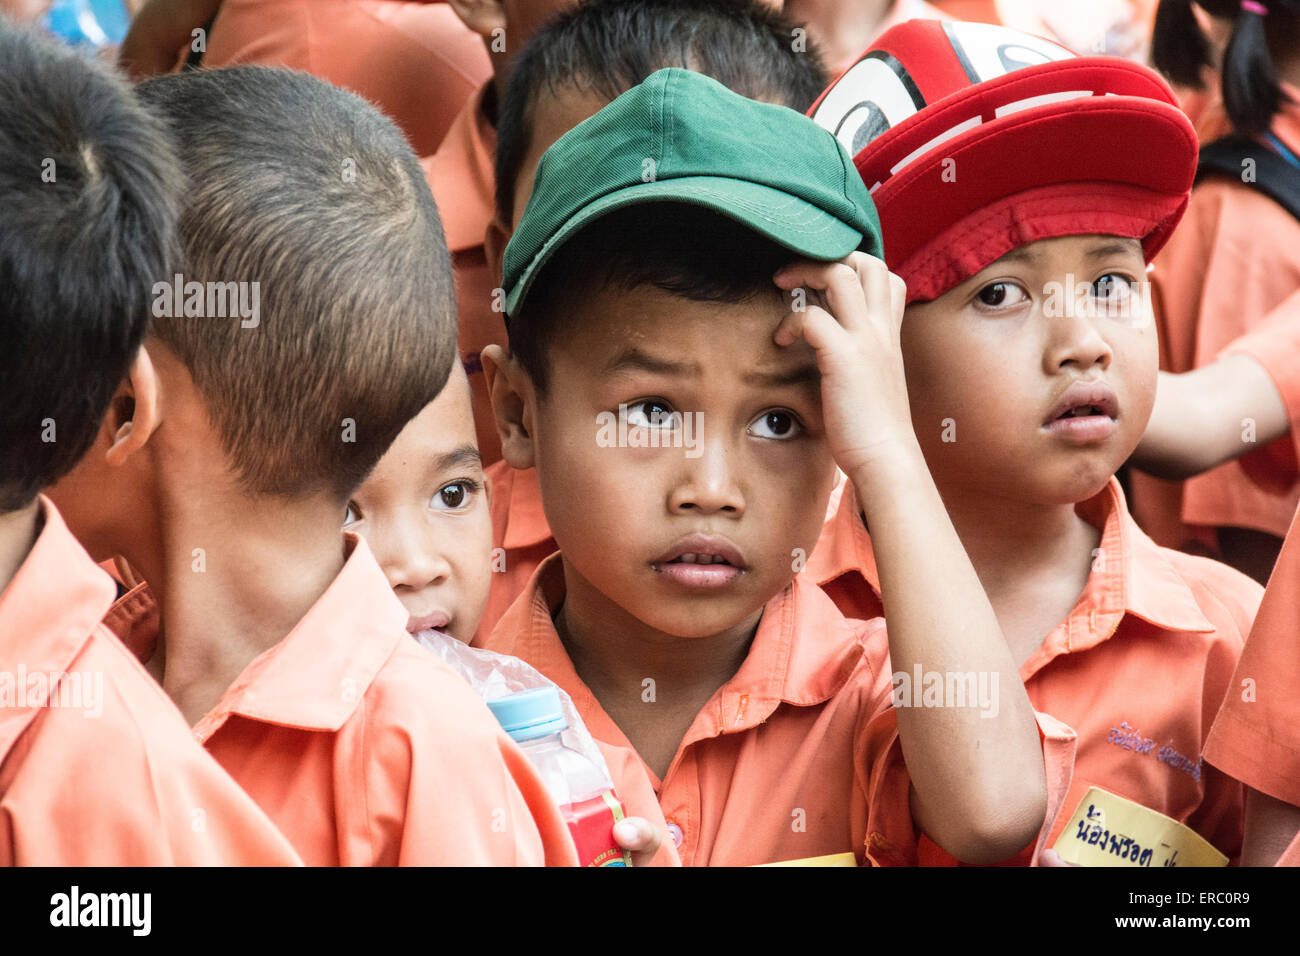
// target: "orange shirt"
[[1234, 257], [462, 175], [363, 747], [416, 61], [781, 763], [1137, 670], [97, 767], [520, 531], [1256, 737]]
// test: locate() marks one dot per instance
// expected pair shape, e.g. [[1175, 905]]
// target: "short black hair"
[[683, 249], [609, 46], [88, 192], [1249, 83], [312, 193]]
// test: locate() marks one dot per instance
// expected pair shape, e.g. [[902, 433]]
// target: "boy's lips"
[[701, 561], [437, 620], [1086, 412]]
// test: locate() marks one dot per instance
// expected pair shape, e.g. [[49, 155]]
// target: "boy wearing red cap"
[[685, 425], [1023, 234]]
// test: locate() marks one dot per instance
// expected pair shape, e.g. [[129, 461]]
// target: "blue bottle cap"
[[530, 714]]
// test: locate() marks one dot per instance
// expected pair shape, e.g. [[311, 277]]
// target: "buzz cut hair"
[[310, 192]]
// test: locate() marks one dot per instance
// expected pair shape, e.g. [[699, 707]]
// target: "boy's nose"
[[708, 484], [1075, 340], [408, 561]]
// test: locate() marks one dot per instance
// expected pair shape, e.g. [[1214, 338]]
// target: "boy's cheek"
[[479, 563], [798, 509], [1136, 364]]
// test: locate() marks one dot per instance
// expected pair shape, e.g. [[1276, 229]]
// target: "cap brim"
[[787, 220]]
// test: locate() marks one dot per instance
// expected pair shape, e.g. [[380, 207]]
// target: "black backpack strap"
[[1274, 176]]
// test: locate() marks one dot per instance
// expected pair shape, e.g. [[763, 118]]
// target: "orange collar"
[[803, 652], [518, 519], [315, 677], [1131, 573], [47, 615]]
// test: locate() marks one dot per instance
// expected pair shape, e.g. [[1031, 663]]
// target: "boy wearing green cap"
[[700, 332]]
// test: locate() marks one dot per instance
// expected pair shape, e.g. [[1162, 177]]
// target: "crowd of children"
[[875, 419]]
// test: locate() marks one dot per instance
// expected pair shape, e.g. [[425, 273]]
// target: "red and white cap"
[[975, 139]]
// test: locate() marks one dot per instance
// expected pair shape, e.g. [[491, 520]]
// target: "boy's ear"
[[481, 16], [494, 244], [135, 412], [513, 399]]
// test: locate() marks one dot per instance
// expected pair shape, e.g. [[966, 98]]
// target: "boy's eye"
[[1112, 287], [351, 513], [455, 494], [779, 425], [651, 413], [998, 294]]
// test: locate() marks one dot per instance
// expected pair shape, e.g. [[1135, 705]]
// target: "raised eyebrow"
[[634, 358], [464, 456], [799, 375]]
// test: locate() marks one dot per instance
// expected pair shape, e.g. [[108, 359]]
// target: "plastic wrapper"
[[494, 675]]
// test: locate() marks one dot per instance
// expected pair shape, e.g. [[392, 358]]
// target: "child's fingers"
[[814, 325], [638, 837], [881, 288], [853, 289], [838, 283], [897, 297], [1050, 857]]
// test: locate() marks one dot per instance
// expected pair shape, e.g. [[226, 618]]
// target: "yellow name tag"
[[830, 859], [1107, 830]]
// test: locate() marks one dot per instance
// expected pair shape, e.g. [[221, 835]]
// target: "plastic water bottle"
[[583, 790]]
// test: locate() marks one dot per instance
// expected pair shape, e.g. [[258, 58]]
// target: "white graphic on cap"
[[987, 51]]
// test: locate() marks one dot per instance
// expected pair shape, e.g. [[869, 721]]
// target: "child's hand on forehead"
[[851, 315], [960, 763]]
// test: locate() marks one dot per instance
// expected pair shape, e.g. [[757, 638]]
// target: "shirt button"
[[675, 832]]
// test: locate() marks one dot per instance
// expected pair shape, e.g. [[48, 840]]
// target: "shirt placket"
[[679, 798]]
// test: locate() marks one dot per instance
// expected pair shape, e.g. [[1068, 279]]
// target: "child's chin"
[[1079, 486], [692, 621], [1050, 484]]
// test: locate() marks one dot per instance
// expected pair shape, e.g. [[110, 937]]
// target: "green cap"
[[682, 136]]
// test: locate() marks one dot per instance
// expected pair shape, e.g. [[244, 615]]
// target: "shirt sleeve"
[[1256, 735], [444, 785], [892, 839], [126, 786]]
